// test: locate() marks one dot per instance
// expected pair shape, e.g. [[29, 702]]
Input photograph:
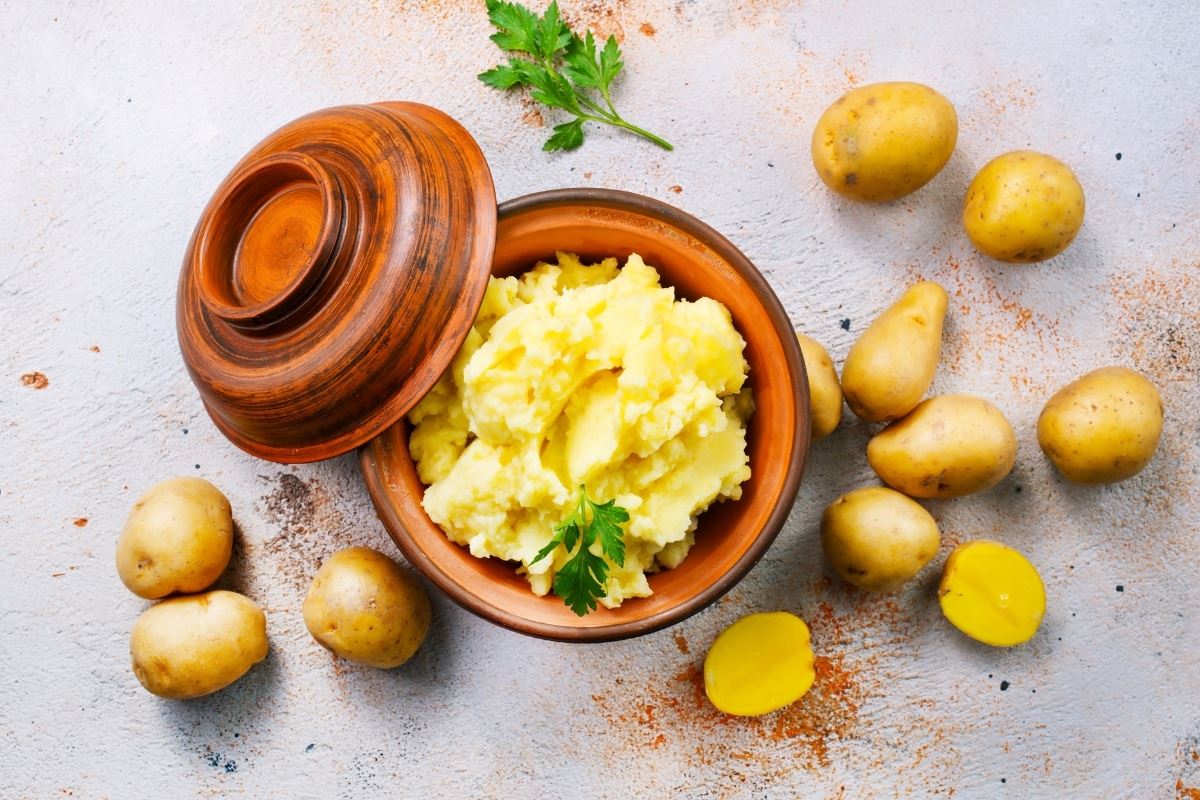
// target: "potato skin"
[[1023, 207], [878, 539], [824, 390], [884, 140], [191, 646], [363, 607], [1103, 427], [949, 446], [891, 366], [177, 538]]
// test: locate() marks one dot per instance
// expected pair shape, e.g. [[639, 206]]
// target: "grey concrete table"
[[120, 119]]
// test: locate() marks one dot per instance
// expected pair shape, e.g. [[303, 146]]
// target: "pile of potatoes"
[[1104, 427], [178, 541], [877, 143]]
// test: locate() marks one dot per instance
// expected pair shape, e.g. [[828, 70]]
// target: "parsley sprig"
[[583, 579], [561, 69]]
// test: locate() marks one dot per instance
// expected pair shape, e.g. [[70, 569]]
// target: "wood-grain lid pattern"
[[334, 275]]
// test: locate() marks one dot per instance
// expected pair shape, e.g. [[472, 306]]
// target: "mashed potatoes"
[[594, 375]]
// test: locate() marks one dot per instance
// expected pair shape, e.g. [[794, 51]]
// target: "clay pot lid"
[[334, 276]]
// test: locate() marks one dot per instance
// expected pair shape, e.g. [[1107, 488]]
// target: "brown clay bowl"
[[732, 536]]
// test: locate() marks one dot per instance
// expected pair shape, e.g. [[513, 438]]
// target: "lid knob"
[[271, 235]]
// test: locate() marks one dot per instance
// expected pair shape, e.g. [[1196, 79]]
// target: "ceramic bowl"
[[732, 536]]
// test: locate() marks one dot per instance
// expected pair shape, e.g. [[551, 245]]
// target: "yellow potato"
[[1023, 207], [758, 664], [178, 538], [878, 539], [1102, 428], [884, 140], [891, 366], [192, 646], [992, 593], [365, 608], [948, 446], [824, 390]]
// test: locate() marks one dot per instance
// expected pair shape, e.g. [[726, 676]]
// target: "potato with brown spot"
[[363, 607], [949, 446], [191, 646], [884, 140], [178, 538], [1102, 428], [878, 539], [1023, 207], [825, 393]]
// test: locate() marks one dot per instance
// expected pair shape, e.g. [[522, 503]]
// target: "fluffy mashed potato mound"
[[589, 375]]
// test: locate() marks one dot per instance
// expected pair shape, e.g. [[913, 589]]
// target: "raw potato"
[[823, 388], [1023, 207], [192, 646], [884, 140], [758, 664], [891, 366], [1102, 428], [948, 446], [365, 608], [178, 538], [878, 539], [992, 593]]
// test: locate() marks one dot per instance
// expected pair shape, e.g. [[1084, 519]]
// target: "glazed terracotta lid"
[[334, 275]]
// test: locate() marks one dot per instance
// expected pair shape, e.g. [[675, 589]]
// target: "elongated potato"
[[178, 538], [824, 390], [891, 366], [191, 646], [1103, 427], [948, 446]]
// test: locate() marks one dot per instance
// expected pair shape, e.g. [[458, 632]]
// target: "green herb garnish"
[[584, 578], [562, 70]]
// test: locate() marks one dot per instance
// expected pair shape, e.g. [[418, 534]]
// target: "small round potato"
[[363, 607], [878, 539], [824, 390], [1023, 207], [178, 538], [884, 140], [1102, 428], [948, 446], [191, 646]]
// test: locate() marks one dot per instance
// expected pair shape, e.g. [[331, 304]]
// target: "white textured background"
[[119, 120]]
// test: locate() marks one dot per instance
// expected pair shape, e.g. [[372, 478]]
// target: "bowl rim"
[[629, 201]]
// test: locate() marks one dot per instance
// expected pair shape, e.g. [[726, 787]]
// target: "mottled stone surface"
[[121, 118]]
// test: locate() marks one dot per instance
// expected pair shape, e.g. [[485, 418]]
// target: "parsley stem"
[[658, 140]]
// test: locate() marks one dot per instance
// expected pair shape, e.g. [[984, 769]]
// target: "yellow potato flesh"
[[992, 593], [1023, 207], [758, 664], [825, 393]]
